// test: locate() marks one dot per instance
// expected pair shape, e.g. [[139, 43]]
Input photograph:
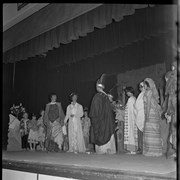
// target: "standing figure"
[[140, 116], [152, 143], [86, 123], [14, 136], [53, 121], [41, 131], [102, 121], [171, 112], [24, 131], [130, 130], [74, 113], [33, 133]]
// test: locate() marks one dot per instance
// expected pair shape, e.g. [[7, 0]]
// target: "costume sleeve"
[[68, 113], [45, 117], [61, 114], [96, 107], [79, 112]]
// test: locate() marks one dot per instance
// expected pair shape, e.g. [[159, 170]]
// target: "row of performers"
[[141, 117], [149, 126]]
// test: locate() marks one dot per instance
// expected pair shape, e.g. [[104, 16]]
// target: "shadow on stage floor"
[[91, 166]]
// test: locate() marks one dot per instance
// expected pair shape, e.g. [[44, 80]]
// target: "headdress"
[[101, 81], [153, 88]]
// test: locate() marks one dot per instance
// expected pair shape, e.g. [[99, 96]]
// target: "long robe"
[[102, 124], [152, 144], [14, 137], [130, 132], [139, 111], [75, 133], [53, 120]]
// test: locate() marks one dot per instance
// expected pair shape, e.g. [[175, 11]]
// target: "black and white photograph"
[[90, 91]]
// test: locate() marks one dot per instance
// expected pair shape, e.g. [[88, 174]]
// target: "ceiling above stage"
[[13, 13], [23, 25]]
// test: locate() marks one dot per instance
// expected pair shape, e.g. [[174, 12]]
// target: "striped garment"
[[152, 142], [130, 128]]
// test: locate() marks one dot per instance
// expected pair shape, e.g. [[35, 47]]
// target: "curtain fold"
[[149, 20], [35, 80]]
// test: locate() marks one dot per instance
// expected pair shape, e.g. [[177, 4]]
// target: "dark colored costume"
[[53, 117], [24, 123], [102, 119]]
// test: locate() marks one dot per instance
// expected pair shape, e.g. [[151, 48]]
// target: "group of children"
[[33, 132]]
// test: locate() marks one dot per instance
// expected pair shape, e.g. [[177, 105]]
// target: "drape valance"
[[72, 30]]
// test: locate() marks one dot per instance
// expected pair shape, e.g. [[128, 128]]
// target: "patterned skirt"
[[152, 142], [33, 137]]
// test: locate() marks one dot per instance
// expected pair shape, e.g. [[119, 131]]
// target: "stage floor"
[[157, 166]]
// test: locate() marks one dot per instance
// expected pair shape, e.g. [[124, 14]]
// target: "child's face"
[[85, 113], [25, 115], [42, 113], [129, 94]]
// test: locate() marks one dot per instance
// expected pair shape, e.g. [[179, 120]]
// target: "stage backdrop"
[[134, 77]]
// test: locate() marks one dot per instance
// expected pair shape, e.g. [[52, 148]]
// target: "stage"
[[91, 166]]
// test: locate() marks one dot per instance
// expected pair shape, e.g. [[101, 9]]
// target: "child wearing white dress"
[[41, 131], [33, 133]]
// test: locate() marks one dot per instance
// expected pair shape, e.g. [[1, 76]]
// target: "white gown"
[[130, 132], [75, 133], [139, 111]]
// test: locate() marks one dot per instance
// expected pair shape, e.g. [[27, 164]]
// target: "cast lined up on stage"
[[130, 125]]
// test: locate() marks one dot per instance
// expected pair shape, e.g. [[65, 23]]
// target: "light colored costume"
[[14, 137], [152, 145], [86, 123], [130, 131], [41, 130], [33, 133], [171, 92], [139, 111], [75, 133]]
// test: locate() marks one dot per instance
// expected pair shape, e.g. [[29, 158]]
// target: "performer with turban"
[[102, 121]]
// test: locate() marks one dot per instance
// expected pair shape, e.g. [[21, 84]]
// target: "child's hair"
[[25, 113], [85, 109], [33, 115], [72, 94], [129, 89], [50, 95]]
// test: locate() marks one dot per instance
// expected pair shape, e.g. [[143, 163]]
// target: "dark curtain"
[[7, 100], [144, 23], [35, 79]]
